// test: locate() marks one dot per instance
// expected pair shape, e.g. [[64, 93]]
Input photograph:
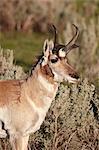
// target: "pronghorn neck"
[[41, 86], [44, 77], [44, 72], [47, 73]]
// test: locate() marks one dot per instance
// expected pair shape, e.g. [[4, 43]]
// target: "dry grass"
[[8, 70], [73, 120]]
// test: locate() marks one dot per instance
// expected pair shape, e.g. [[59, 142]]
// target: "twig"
[[71, 136]]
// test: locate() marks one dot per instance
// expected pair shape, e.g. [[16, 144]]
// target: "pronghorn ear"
[[46, 52], [46, 48], [51, 45]]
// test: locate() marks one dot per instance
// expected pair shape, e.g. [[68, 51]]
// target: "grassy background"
[[26, 46]]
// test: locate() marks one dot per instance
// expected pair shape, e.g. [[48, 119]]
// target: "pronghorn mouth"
[[71, 80]]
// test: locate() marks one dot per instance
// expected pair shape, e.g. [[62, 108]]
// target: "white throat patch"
[[48, 86]]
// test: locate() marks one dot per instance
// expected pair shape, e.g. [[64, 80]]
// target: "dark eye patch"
[[54, 60]]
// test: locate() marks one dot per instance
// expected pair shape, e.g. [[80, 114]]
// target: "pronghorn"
[[24, 103]]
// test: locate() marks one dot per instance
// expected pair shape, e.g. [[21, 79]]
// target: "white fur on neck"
[[58, 78], [48, 86], [41, 112]]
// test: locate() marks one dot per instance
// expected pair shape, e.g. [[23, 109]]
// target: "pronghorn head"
[[55, 59]]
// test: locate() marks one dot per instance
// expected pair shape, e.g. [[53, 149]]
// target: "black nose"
[[75, 75]]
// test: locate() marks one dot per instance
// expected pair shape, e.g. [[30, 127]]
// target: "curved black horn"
[[75, 35], [71, 43], [55, 35]]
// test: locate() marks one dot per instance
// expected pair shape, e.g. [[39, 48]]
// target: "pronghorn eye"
[[54, 60]]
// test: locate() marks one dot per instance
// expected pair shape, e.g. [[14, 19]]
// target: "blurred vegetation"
[[28, 15], [73, 120], [8, 70], [26, 46]]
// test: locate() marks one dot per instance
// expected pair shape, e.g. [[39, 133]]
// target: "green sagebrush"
[[8, 70], [74, 116]]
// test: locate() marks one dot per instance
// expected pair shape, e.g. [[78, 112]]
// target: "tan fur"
[[24, 103], [20, 116], [10, 91]]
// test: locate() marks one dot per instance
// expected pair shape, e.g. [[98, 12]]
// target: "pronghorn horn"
[[71, 43], [55, 35]]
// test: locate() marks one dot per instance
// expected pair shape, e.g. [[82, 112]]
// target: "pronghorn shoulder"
[[10, 91]]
